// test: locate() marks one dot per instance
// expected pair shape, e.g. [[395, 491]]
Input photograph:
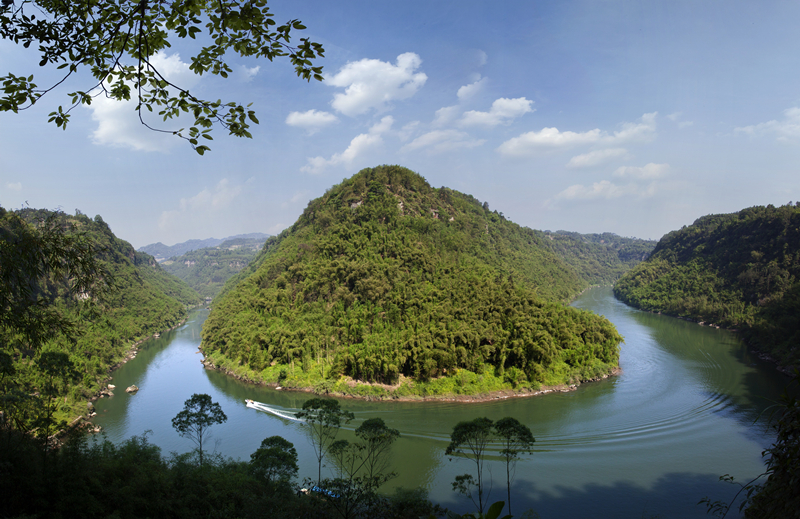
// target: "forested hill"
[[163, 252], [206, 270], [384, 277], [600, 259], [738, 270], [140, 300]]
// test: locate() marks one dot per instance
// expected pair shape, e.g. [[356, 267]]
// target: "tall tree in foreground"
[[324, 417], [198, 415], [471, 439], [275, 460], [516, 439], [117, 42]]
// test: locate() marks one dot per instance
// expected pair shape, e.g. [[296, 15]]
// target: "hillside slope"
[[163, 252], [385, 278], [139, 300], [738, 270]]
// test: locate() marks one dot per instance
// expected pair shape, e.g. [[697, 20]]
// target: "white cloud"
[[685, 124], [788, 128], [201, 205], [674, 116], [503, 110], [358, 146], [408, 130], [553, 138], [247, 74], [605, 190], [593, 158], [14, 186], [312, 120], [650, 170], [374, 84], [547, 138], [643, 130], [442, 140], [118, 125], [469, 91], [483, 58], [445, 116]]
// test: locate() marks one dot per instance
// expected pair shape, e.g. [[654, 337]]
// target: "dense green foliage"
[[600, 259], [207, 270], [97, 479], [94, 329], [384, 277], [737, 270]]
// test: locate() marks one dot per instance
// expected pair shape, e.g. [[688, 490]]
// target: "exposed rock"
[[132, 389]]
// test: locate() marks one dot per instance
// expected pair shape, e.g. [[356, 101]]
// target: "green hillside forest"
[[600, 259], [739, 270], [137, 300], [207, 269], [386, 280]]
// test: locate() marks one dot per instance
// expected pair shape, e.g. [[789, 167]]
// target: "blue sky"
[[628, 117]]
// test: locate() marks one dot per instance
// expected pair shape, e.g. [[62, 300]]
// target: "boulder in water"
[[132, 389]]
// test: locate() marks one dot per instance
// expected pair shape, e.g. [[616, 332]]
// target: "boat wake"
[[286, 415]]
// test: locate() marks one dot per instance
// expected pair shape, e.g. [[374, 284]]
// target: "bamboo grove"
[[384, 277]]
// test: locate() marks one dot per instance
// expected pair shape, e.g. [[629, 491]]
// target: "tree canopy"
[[116, 42], [385, 276], [739, 270]]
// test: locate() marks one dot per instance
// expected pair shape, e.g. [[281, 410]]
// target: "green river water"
[[649, 443]]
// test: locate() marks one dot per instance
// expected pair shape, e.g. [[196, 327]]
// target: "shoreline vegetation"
[[462, 386], [739, 271]]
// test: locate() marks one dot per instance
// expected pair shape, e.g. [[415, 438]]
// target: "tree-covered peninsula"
[[387, 280], [58, 339], [739, 270]]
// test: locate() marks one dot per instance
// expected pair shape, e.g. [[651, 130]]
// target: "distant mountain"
[[162, 252], [208, 269]]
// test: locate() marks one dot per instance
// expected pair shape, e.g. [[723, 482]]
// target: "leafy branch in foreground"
[[118, 41]]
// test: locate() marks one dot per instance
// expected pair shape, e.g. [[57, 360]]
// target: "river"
[[649, 443]]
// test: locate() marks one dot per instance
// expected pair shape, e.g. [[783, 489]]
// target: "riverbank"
[[461, 386]]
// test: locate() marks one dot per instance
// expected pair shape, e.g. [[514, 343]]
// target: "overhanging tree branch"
[[97, 35]]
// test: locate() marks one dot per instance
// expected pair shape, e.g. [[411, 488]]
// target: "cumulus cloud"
[[553, 138], [469, 91], [312, 120], [358, 146], [118, 125], [445, 116], [788, 128], [439, 141], [647, 171], [606, 190], [373, 84], [205, 202], [503, 110], [593, 158], [14, 186]]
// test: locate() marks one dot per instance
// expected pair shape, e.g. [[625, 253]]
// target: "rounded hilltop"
[[386, 287]]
